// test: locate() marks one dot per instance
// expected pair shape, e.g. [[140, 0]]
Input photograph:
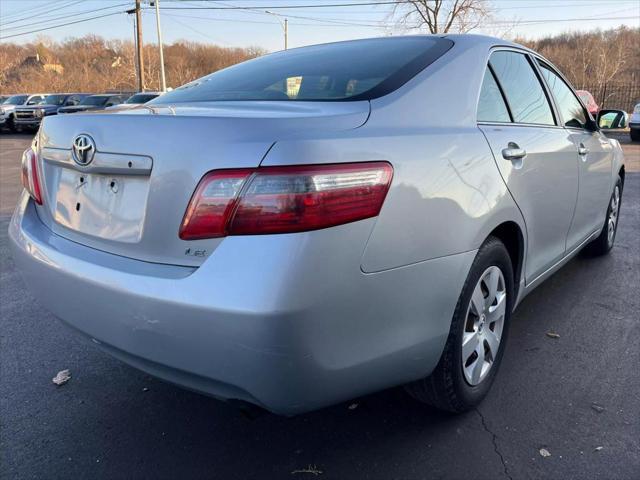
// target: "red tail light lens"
[[212, 203], [285, 199], [296, 199], [30, 179]]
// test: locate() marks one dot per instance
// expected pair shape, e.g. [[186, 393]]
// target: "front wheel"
[[11, 125], [604, 243], [477, 337]]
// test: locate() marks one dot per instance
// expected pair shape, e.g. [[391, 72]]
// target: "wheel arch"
[[511, 235]]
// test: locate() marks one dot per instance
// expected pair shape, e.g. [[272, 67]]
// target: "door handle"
[[513, 152], [582, 150]]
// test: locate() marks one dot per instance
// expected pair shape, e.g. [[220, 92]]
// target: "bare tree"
[[442, 16]]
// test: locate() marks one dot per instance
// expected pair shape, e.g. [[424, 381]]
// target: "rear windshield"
[[96, 101], [16, 100], [141, 98], [355, 70]]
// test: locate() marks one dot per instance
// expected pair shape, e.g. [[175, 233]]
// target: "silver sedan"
[[321, 223]]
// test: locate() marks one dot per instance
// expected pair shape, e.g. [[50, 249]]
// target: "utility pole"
[[139, 56], [286, 33], [284, 25], [162, 76]]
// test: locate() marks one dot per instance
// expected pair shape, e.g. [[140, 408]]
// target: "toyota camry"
[[320, 223]]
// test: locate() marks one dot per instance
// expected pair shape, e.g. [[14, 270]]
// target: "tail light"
[[273, 200], [30, 179]]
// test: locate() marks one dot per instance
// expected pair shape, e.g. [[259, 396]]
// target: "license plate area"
[[107, 206]]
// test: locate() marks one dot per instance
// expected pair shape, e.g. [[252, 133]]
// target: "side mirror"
[[610, 119]]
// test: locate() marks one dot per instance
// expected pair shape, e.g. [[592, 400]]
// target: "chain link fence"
[[615, 96]]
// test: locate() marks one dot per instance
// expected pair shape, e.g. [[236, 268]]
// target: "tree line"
[[594, 58], [93, 64]]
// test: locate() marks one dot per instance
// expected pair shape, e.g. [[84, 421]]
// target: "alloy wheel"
[[614, 208], [483, 326]]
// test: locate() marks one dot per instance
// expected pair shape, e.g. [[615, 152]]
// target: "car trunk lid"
[[130, 196]]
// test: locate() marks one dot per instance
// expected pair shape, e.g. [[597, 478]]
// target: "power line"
[[29, 17], [61, 25], [173, 18], [321, 22], [32, 9], [68, 15], [380, 25], [282, 7]]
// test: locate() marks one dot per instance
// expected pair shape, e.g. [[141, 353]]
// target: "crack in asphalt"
[[494, 439]]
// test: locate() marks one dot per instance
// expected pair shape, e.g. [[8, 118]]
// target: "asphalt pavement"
[[577, 396]]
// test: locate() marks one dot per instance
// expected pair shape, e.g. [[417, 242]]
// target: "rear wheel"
[[604, 243], [477, 337], [635, 135]]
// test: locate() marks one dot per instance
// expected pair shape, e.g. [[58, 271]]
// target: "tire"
[[635, 135], [452, 386], [11, 124], [604, 243]]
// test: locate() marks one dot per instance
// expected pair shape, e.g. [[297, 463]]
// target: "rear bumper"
[[634, 126], [288, 322]]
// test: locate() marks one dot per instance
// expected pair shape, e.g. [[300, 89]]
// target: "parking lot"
[[577, 396]]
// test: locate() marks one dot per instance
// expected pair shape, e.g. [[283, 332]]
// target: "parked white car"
[[8, 107]]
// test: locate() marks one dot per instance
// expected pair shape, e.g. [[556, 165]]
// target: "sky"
[[188, 20]]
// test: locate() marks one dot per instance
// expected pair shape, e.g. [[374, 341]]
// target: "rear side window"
[[524, 92], [491, 106], [571, 110], [345, 71]]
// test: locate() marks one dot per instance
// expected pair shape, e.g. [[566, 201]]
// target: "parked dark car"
[[30, 117], [95, 102], [138, 99]]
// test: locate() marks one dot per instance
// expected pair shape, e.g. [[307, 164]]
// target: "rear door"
[[594, 158], [535, 155]]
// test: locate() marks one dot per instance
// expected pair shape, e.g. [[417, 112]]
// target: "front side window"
[[36, 100], [355, 70], [491, 106], [571, 110], [521, 86]]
